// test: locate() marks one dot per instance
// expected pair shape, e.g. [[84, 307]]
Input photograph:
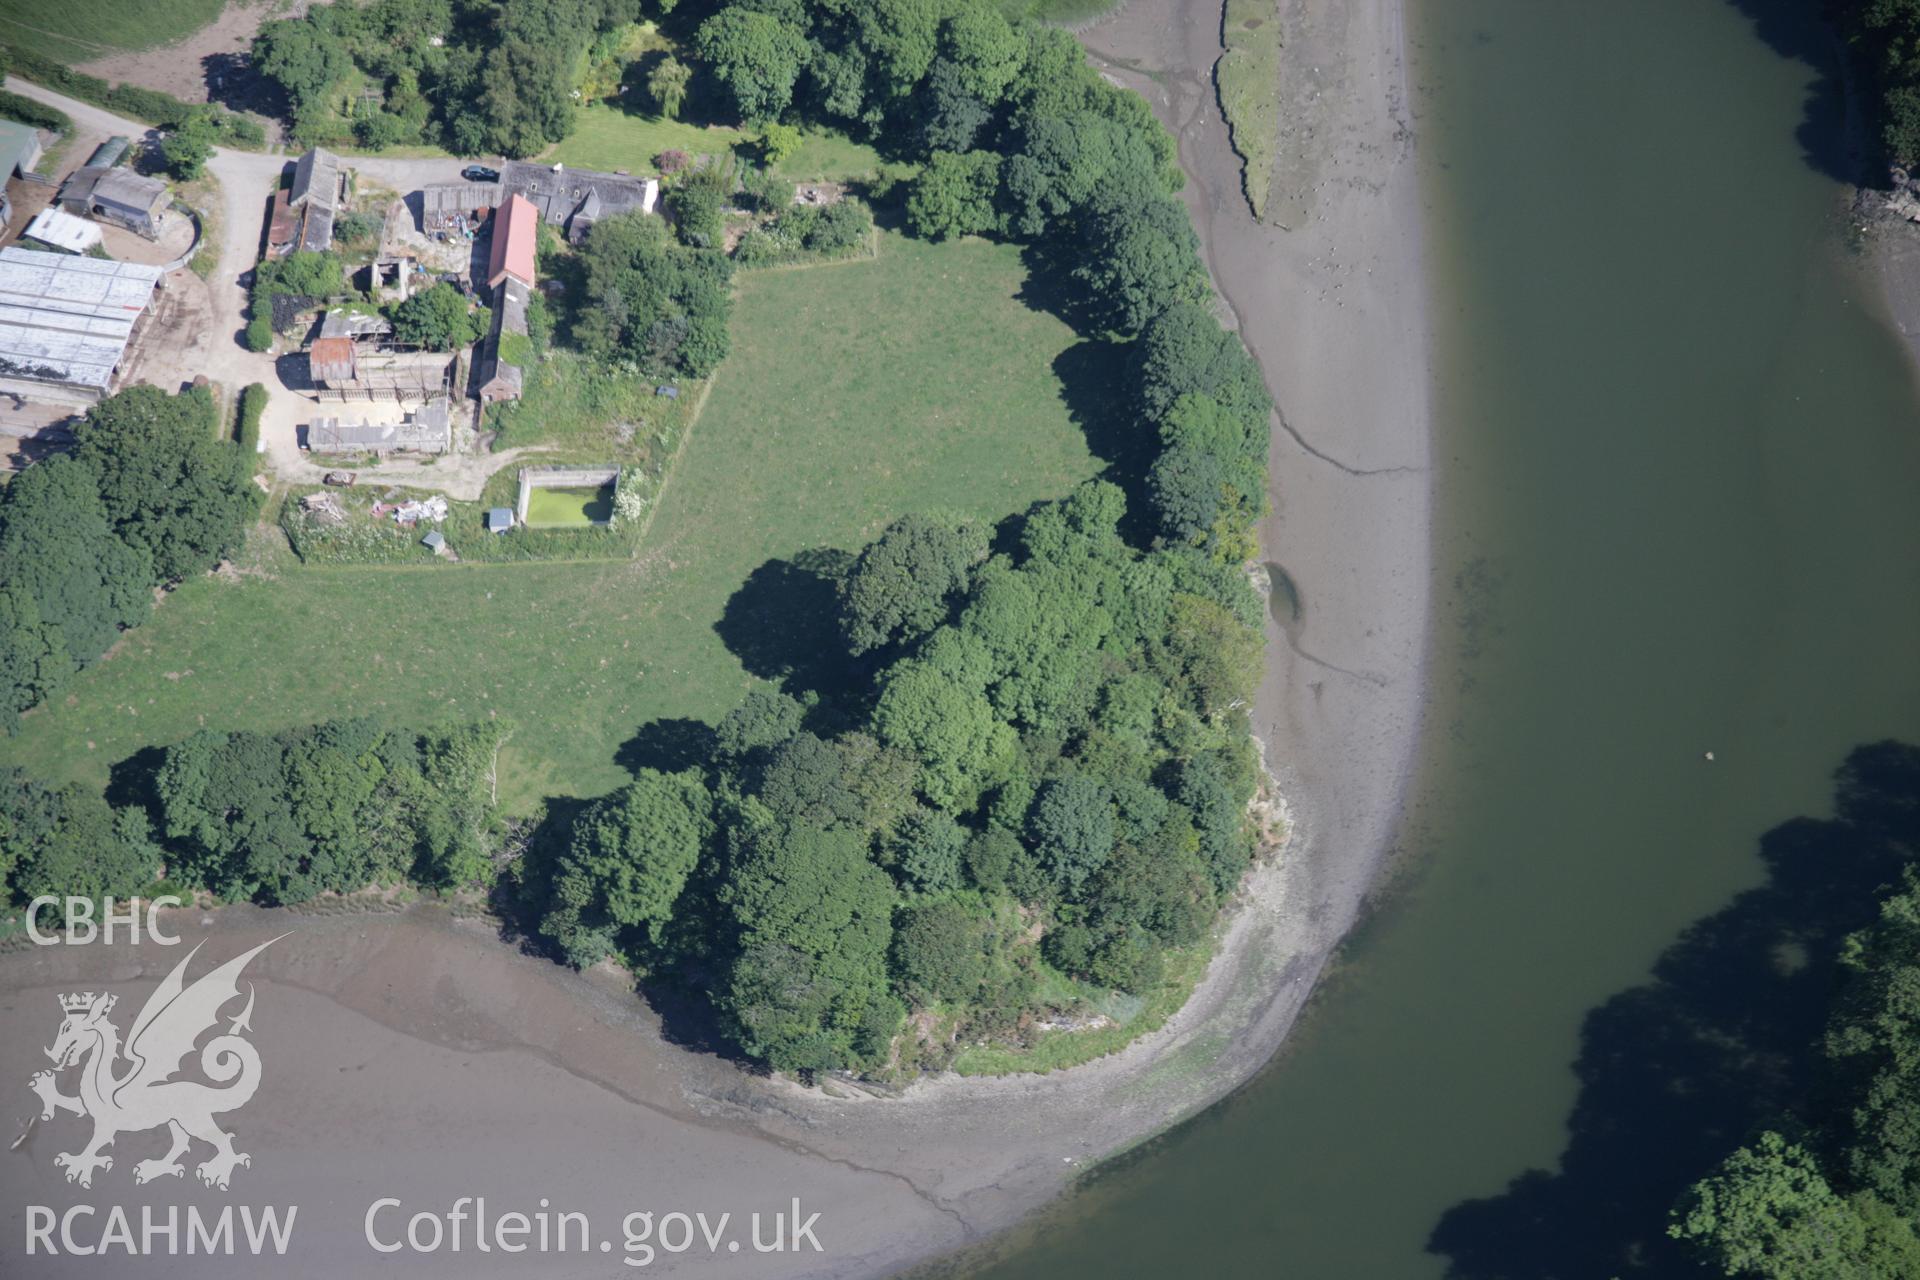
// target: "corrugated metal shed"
[[66, 319], [109, 153], [339, 322], [283, 225], [330, 360], [460, 197]]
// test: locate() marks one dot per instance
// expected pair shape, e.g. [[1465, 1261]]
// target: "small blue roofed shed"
[[434, 540], [499, 519]]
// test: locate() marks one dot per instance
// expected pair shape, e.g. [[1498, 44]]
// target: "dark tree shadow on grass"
[[131, 781], [1677, 1073], [1097, 382], [783, 625], [667, 745], [233, 83], [521, 899]]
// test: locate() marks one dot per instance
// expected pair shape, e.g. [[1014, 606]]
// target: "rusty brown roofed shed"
[[330, 360]]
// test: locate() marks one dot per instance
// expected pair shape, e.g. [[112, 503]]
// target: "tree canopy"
[[437, 318], [660, 305], [756, 56], [907, 581], [58, 545], [170, 485]]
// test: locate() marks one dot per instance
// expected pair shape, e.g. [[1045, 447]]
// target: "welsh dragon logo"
[[143, 1094]]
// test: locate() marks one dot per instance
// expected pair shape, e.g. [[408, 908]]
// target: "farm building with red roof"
[[510, 253]]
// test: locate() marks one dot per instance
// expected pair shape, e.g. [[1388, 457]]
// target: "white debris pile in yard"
[[414, 510]]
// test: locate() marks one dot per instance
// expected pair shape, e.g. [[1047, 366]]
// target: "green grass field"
[[856, 392], [569, 508], [80, 30], [609, 138]]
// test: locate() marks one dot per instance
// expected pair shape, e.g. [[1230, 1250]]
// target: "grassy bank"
[[611, 137], [1126, 1020], [1248, 78], [1067, 13], [812, 436], [134, 101]]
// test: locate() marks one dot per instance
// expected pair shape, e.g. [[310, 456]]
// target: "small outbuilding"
[[110, 152], [313, 200], [19, 149], [499, 519], [434, 541], [63, 231], [330, 362], [119, 196]]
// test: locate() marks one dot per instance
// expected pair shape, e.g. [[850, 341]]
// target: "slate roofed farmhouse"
[[574, 199], [510, 251]]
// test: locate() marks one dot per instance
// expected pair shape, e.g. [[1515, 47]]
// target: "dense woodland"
[[477, 76], [1002, 755], [150, 493], [1884, 36], [1831, 1191]]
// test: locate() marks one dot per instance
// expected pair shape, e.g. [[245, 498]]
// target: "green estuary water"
[[1677, 447]]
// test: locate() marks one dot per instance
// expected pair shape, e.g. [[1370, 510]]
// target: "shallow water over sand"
[[1676, 454]]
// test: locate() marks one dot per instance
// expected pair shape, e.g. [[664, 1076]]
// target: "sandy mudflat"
[[1896, 259], [415, 1057]]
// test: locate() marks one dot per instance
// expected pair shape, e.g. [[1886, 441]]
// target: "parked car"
[[480, 173]]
